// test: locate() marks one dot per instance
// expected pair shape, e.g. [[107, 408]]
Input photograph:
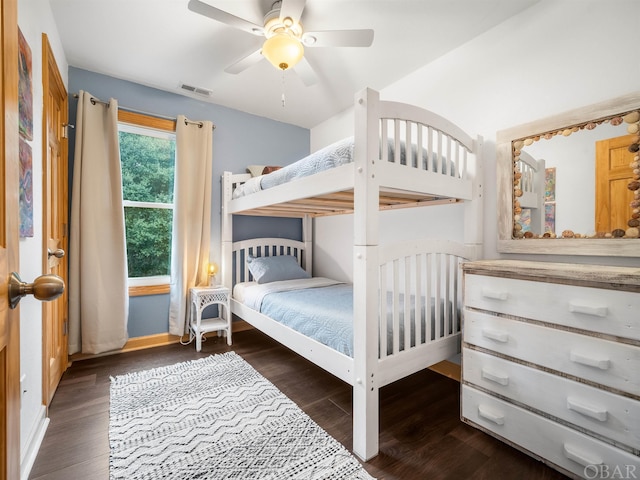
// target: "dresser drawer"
[[604, 413], [573, 451], [616, 365], [612, 312]]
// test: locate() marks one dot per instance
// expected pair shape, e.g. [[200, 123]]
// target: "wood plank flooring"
[[422, 436]]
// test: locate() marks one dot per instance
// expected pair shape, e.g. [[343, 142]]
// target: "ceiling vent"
[[197, 90]]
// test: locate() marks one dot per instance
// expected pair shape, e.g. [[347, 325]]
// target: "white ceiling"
[[162, 44]]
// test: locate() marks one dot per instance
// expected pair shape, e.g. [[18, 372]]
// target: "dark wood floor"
[[422, 436]]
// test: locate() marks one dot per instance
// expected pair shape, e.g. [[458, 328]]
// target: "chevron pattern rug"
[[217, 418]]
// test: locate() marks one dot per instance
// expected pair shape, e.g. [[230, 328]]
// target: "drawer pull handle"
[[588, 310], [583, 458], [496, 335], [491, 415], [495, 377], [599, 413], [495, 295], [601, 363]]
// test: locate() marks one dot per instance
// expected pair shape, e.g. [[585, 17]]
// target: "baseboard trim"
[[150, 341], [33, 444], [133, 344], [241, 326], [447, 368], [140, 343]]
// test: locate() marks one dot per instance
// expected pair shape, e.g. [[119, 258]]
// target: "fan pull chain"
[[283, 100]]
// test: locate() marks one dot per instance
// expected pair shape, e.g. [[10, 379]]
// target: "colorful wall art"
[[550, 184], [550, 200], [25, 126], [550, 217], [26, 190], [25, 90]]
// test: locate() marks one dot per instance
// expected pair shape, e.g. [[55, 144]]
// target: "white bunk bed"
[[415, 275], [532, 185]]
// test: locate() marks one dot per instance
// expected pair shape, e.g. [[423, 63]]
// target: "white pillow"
[[255, 170]]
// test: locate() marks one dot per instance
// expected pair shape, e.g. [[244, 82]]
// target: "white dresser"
[[551, 362]]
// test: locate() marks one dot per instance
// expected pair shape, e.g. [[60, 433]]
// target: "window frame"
[[158, 285]]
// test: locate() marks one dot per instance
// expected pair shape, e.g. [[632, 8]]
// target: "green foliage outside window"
[[148, 233], [147, 176]]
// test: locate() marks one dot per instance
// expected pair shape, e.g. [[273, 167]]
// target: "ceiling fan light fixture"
[[283, 50]]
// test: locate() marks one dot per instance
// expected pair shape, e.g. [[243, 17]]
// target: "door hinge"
[[65, 328]]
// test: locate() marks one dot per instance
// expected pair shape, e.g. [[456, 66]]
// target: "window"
[[147, 155]]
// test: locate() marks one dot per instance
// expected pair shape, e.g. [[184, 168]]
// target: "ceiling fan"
[[285, 37]]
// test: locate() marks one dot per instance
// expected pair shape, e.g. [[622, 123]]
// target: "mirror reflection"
[[582, 181]]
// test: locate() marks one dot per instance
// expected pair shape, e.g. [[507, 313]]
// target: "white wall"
[[555, 56], [34, 18]]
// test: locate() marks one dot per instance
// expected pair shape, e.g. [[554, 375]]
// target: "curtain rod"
[[173, 119]]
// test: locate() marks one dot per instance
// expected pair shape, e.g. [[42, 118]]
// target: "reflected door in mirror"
[[613, 176]]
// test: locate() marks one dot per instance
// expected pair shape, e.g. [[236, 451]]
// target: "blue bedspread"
[[325, 313]]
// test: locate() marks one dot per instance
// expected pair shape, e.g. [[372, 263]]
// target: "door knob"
[[45, 287], [58, 253]]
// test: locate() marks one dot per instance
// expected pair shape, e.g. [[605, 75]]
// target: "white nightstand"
[[202, 297]]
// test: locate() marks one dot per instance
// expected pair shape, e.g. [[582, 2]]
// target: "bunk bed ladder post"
[[473, 218], [366, 275]]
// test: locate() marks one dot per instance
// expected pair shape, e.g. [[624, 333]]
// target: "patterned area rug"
[[216, 418]]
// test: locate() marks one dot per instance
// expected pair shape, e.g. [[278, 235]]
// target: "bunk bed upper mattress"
[[328, 157], [332, 156]]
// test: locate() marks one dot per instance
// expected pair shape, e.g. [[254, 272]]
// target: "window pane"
[[147, 167], [148, 241]]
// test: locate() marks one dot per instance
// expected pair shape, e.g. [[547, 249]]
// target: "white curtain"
[[191, 217], [98, 291]]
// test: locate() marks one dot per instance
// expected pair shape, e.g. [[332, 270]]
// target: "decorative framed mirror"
[[570, 184]]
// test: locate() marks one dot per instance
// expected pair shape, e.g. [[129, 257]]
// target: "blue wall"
[[239, 139]]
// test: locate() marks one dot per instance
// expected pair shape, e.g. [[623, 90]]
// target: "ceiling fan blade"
[[306, 72], [221, 16], [245, 62], [292, 9], [338, 38]]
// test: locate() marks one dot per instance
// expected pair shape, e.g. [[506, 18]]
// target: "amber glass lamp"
[[213, 270], [283, 50]]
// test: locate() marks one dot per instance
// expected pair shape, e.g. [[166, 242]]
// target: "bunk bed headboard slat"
[[264, 247]]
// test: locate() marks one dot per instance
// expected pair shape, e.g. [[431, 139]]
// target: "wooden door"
[[613, 173], [55, 220], [9, 258]]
